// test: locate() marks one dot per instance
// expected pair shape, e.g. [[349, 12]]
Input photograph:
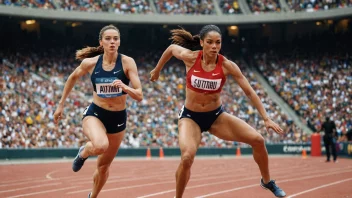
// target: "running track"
[[211, 177]]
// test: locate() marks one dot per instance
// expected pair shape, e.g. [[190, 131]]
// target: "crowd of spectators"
[[177, 7], [315, 5], [43, 4], [31, 85], [193, 7], [115, 6], [264, 6], [315, 87], [229, 7], [188, 7]]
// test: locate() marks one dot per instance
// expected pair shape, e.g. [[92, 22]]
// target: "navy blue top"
[[102, 79]]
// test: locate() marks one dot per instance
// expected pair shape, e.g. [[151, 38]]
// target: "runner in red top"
[[206, 71], [202, 81]]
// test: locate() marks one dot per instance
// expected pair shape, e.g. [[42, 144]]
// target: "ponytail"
[[185, 39], [89, 52]]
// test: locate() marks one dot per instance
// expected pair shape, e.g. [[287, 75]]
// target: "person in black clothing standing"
[[349, 135], [329, 128]]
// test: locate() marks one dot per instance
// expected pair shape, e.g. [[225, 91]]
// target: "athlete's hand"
[[119, 84], [269, 124], [58, 114], [154, 75]]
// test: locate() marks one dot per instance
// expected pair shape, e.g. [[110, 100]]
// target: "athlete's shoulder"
[[223, 56], [195, 53], [127, 60], [190, 55], [88, 62], [229, 66], [124, 57], [226, 61]]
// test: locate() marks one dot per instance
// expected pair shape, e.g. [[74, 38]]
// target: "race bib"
[[205, 84], [105, 89]]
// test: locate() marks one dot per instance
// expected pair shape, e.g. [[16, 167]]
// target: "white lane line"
[[283, 181], [227, 181], [29, 187], [21, 180], [42, 192], [230, 190], [122, 188], [144, 178], [318, 187], [158, 193], [21, 183], [140, 185], [48, 175], [197, 186]]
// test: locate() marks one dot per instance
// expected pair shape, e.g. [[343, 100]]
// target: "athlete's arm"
[[177, 51], [242, 81], [132, 73], [80, 71]]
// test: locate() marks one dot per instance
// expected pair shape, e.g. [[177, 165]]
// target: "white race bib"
[[105, 89], [205, 84]]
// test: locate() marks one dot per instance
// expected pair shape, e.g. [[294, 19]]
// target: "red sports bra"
[[206, 82]]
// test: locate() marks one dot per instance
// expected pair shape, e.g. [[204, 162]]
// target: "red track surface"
[[217, 177]]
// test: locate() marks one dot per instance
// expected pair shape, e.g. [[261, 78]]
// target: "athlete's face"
[[211, 43], [110, 40]]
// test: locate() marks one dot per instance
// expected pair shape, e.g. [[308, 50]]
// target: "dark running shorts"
[[114, 121], [203, 119]]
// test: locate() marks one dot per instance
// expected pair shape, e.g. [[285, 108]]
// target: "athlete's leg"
[[229, 127], [104, 161], [189, 139], [98, 142], [94, 129]]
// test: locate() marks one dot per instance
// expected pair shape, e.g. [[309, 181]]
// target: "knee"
[[100, 148], [104, 169], [187, 160], [258, 141]]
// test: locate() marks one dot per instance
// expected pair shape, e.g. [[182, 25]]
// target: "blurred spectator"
[[193, 7], [315, 5], [44, 4], [229, 6], [263, 6]]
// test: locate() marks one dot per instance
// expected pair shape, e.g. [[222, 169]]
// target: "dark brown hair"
[[185, 39], [89, 52]]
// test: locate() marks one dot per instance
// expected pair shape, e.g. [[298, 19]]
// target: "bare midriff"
[[111, 104], [202, 102]]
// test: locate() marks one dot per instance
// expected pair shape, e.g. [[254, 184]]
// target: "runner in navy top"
[[104, 120], [206, 75]]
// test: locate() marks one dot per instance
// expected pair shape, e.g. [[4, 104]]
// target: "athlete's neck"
[[109, 58], [207, 60]]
